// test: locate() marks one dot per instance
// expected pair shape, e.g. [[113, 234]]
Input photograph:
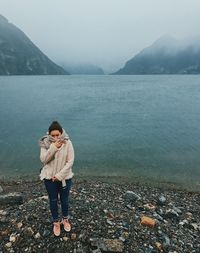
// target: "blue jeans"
[[56, 190]]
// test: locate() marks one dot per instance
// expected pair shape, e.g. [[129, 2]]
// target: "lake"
[[133, 126]]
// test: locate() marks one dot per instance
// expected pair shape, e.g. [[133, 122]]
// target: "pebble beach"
[[105, 217]]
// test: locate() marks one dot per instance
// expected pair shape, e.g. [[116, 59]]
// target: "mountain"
[[83, 69], [165, 56], [19, 56]]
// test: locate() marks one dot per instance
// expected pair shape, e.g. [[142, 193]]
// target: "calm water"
[[120, 125]]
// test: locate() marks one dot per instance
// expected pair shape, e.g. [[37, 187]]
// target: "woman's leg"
[[52, 190], [64, 198]]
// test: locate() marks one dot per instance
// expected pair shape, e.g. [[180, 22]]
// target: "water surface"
[[145, 126]]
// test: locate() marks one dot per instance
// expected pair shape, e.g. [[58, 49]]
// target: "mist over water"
[[120, 125]]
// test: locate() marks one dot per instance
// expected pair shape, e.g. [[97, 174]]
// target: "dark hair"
[[55, 126]]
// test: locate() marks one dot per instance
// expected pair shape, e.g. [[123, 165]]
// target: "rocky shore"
[[105, 217]]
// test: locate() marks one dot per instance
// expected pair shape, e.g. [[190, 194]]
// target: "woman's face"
[[55, 134]]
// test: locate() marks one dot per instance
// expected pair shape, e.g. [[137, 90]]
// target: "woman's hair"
[[55, 126]]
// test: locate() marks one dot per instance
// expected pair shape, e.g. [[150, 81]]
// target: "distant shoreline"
[[140, 181]]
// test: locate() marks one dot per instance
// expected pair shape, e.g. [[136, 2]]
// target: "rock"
[[11, 199], [107, 245], [158, 246], [46, 233], [147, 221], [28, 231], [130, 207], [73, 236], [1, 189], [114, 245], [170, 213], [37, 236], [8, 245], [121, 238], [3, 213], [161, 200], [166, 241], [177, 210], [149, 206], [109, 222], [65, 238], [12, 238], [186, 224], [110, 215], [131, 196], [158, 217], [189, 215], [44, 197], [19, 225], [3, 220], [195, 226]]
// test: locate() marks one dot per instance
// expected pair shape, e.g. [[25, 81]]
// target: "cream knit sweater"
[[57, 161]]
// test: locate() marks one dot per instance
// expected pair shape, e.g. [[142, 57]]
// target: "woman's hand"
[[54, 179], [58, 143]]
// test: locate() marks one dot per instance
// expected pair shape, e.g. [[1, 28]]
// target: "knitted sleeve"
[[64, 172], [47, 155]]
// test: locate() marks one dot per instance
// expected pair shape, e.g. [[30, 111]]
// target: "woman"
[[57, 155]]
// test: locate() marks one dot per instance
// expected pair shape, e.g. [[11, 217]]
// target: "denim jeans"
[[56, 191]]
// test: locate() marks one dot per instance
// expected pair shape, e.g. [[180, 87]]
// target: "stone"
[[107, 245], [37, 236], [29, 231], [171, 214], [147, 221], [19, 225], [73, 236], [109, 222], [114, 245], [131, 196], [12, 238], [177, 210], [8, 245], [150, 207], [43, 197], [46, 233], [189, 215], [158, 217], [3, 213], [158, 246], [65, 238], [194, 226], [1, 189], [166, 241], [161, 200]]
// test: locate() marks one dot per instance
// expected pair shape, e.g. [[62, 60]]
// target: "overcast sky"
[[102, 32]]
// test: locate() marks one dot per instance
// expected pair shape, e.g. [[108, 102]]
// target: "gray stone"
[[171, 214], [107, 245], [177, 210], [132, 196], [1, 189], [166, 241], [161, 200], [11, 198]]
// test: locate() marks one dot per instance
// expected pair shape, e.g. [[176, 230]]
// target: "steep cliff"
[[19, 56]]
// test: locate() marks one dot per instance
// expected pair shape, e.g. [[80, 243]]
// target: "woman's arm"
[[47, 155], [70, 160]]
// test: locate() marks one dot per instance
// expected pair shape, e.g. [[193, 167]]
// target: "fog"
[[106, 33]]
